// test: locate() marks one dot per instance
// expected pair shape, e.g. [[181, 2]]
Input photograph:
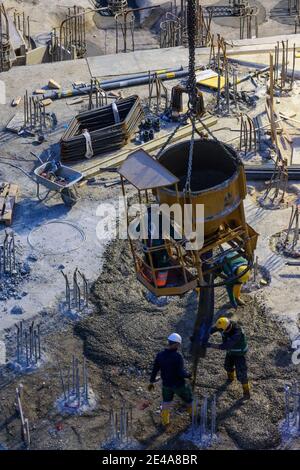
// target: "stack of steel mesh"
[[101, 130]]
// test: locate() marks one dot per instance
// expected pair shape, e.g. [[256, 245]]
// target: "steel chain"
[[191, 87], [192, 103]]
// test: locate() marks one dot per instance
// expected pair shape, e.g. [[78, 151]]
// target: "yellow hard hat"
[[245, 277], [222, 323]]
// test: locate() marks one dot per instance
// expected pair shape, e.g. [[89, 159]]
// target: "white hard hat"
[[175, 338]]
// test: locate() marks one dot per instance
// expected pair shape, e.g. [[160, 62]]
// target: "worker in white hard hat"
[[173, 374]]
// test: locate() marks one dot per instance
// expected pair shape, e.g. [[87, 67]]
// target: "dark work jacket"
[[170, 364], [234, 341]]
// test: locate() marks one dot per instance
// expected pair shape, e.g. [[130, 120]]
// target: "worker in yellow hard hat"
[[234, 342], [173, 374], [235, 266]]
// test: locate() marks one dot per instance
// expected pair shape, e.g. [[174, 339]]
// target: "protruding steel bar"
[[68, 290]]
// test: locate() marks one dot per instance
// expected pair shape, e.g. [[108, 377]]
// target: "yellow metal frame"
[[241, 237]]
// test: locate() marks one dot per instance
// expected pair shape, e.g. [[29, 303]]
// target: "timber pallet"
[[8, 197]]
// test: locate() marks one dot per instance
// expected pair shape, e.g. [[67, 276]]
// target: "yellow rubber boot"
[[237, 294], [231, 376], [246, 391], [165, 417]]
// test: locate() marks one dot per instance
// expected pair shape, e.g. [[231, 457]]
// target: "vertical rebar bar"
[[213, 416]]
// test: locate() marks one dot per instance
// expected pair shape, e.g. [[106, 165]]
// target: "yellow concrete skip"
[[212, 82]]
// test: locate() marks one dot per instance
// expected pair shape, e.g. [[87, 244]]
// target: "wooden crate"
[[8, 197]]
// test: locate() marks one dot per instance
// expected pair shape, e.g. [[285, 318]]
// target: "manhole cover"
[[56, 237]]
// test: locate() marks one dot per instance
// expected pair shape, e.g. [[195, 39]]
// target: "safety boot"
[[246, 391], [165, 417]]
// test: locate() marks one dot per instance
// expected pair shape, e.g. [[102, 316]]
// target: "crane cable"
[[191, 87]]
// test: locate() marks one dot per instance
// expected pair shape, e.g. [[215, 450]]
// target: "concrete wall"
[[36, 56]]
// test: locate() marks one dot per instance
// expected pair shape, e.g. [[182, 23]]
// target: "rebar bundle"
[[75, 384], [100, 130], [78, 296], [292, 234], [68, 41], [73, 33], [277, 186], [248, 138], [5, 63], [293, 7], [97, 96], [283, 80], [22, 23], [249, 21], [157, 93], [53, 46], [292, 409], [117, 6], [203, 429], [28, 345], [125, 24], [35, 115], [8, 255], [170, 31], [120, 425], [203, 19]]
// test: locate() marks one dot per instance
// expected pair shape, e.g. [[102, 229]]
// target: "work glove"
[[150, 387]]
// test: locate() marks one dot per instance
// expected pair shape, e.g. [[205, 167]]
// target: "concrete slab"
[[19, 79], [140, 61]]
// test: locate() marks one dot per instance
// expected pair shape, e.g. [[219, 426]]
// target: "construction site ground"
[[119, 340], [122, 331]]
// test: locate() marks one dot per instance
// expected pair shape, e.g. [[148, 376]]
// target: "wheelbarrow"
[[58, 178]]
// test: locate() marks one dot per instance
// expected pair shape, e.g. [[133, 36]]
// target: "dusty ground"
[[120, 340]]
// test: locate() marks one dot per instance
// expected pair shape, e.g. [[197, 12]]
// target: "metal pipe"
[[18, 344], [113, 86]]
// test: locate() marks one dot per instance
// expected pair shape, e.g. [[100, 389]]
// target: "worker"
[[155, 251], [235, 345], [173, 374], [233, 266]]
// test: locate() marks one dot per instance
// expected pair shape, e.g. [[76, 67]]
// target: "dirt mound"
[[128, 331]]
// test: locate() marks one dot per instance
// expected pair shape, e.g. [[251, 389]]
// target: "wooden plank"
[[3, 193], [16, 123], [115, 160], [7, 203]]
